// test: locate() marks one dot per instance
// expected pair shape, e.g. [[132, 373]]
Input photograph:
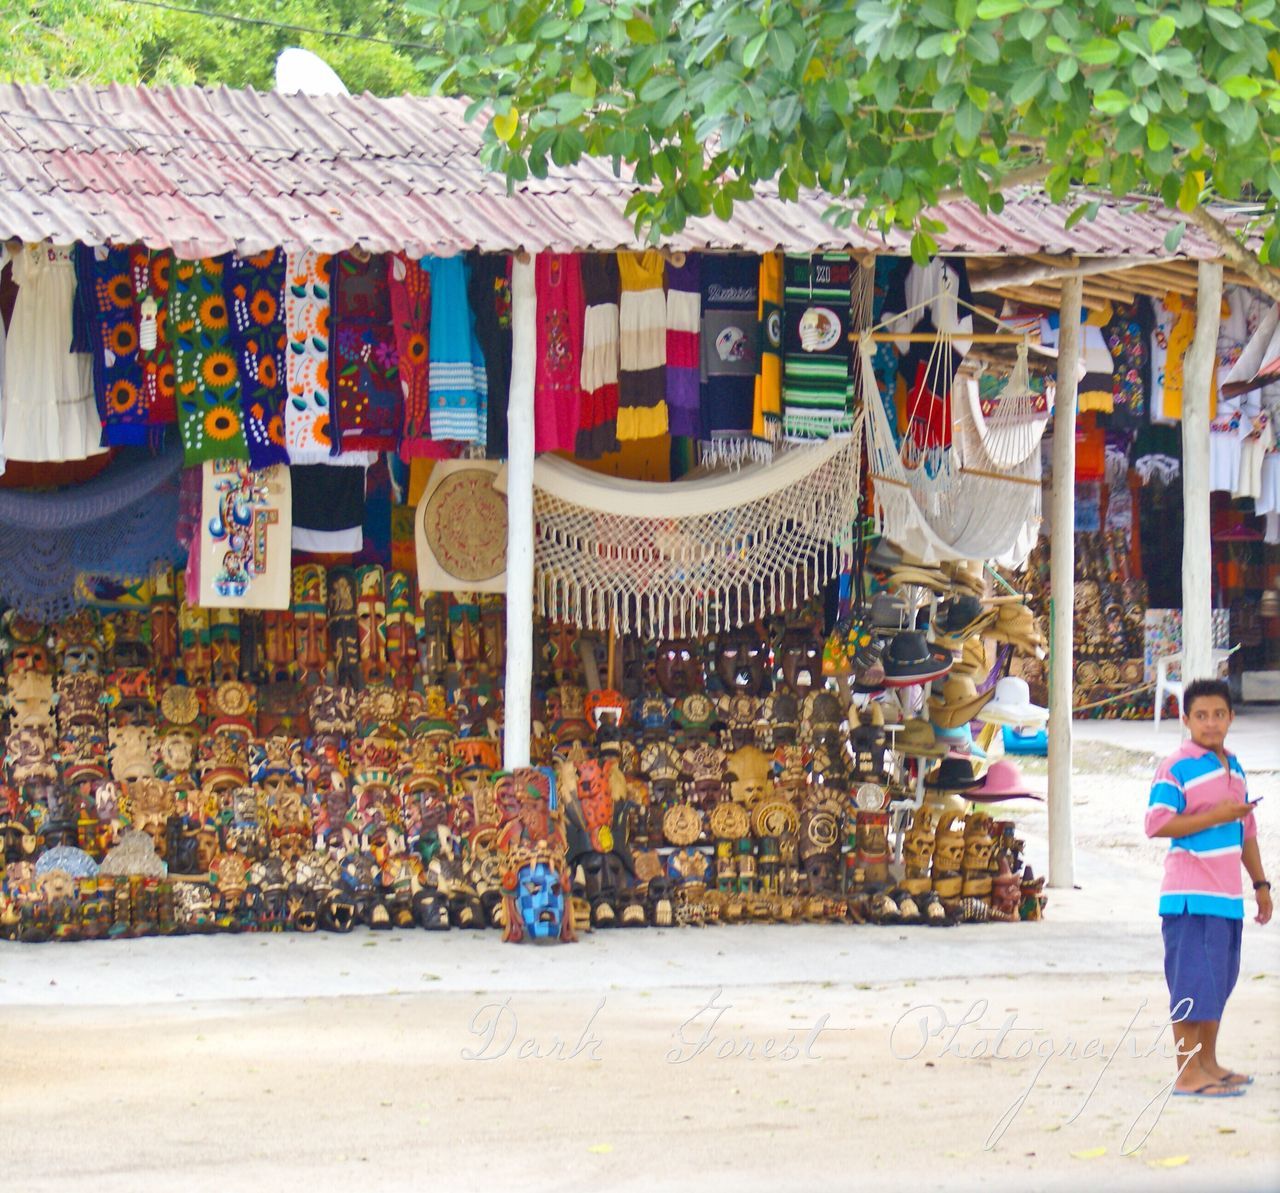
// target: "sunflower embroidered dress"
[[204, 358]]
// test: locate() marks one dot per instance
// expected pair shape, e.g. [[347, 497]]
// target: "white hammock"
[[691, 557], [992, 509]]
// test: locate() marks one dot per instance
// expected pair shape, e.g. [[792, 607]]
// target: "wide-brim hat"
[[954, 639], [953, 773], [1003, 781], [960, 741], [1016, 624], [1012, 704], [919, 575], [917, 740], [967, 574], [911, 660], [973, 660], [960, 702]]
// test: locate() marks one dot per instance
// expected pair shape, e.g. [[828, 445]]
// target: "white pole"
[[1062, 571], [1197, 564], [518, 689]]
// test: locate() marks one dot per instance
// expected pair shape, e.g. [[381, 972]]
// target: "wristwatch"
[[1257, 886]]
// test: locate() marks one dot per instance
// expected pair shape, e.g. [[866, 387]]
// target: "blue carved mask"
[[540, 898]]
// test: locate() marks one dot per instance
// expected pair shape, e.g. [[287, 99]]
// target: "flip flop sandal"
[[1225, 1091], [1240, 1079]]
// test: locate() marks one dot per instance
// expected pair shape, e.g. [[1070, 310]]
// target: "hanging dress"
[[255, 290], [557, 392], [489, 293], [49, 409], [642, 374], [458, 384]]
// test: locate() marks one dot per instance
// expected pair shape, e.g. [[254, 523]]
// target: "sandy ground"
[[1028, 1054]]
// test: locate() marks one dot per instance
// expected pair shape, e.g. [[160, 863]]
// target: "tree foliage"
[[887, 105], [106, 41]]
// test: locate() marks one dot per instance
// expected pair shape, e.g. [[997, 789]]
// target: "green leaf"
[[641, 32], [1027, 86], [1100, 51], [968, 120], [1189, 192], [1111, 103], [1067, 70], [993, 10], [1157, 137], [1241, 87], [1138, 113], [933, 46], [923, 245], [1173, 237], [1055, 45], [1084, 211], [1161, 32]]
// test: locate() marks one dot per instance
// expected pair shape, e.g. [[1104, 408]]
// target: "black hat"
[[911, 660], [953, 773]]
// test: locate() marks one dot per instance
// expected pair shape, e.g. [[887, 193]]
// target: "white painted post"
[[518, 689], [1062, 571], [1197, 562]]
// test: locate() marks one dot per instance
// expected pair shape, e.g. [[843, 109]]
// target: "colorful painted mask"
[[742, 662], [344, 636], [371, 619], [678, 667]]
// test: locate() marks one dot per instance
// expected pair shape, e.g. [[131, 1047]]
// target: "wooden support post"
[[518, 690], [1197, 563], [1062, 570]]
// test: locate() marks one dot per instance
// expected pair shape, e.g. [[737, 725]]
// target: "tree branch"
[[1266, 279]]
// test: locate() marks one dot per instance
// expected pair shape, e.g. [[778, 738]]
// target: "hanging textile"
[[817, 383], [368, 408], [117, 374], [1128, 337], [4, 261], [766, 414], [991, 509], [308, 430], [890, 278], [458, 383], [557, 283], [49, 410], [684, 302], [599, 381], [489, 294], [208, 380], [730, 364], [152, 270], [642, 348], [244, 537], [691, 557], [255, 293], [409, 292], [122, 522]]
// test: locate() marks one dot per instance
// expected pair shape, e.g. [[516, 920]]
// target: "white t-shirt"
[[1258, 438]]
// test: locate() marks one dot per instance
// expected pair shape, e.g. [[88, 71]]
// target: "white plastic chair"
[[1165, 685]]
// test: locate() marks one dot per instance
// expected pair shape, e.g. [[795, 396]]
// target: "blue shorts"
[[1201, 962]]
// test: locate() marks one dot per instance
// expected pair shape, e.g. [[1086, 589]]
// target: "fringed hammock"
[[990, 509], [691, 557]]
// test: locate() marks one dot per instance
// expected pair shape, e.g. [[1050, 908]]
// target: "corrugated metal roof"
[[206, 171]]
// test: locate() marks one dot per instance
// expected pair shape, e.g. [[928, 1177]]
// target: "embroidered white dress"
[[49, 410]]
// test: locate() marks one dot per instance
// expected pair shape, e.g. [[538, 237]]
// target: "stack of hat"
[[968, 575], [915, 571], [964, 618], [958, 703], [917, 740], [1016, 624]]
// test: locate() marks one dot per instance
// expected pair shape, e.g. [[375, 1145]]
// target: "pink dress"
[[557, 392]]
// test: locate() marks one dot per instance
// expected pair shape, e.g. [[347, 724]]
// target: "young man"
[[1199, 800]]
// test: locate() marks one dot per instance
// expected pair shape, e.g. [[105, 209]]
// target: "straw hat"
[[917, 740], [1016, 624], [967, 574], [960, 702], [973, 660], [919, 574]]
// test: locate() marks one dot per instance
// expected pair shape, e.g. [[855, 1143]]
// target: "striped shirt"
[[1202, 870]]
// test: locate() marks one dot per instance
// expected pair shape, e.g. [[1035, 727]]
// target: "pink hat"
[[1002, 781]]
